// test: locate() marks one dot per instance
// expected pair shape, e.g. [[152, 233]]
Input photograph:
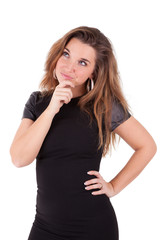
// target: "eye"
[[83, 63], [65, 54]]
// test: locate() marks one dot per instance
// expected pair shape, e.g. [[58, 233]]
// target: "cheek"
[[83, 74], [59, 64]]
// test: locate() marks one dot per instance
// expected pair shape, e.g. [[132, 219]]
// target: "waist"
[[69, 206]]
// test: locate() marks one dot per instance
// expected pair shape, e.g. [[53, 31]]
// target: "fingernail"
[[89, 172]]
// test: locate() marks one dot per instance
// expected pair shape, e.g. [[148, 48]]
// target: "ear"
[[91, 76]]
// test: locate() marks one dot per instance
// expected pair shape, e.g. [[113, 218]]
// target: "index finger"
[[67, 82]]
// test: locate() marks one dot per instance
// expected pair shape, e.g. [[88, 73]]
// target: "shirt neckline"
[[78, 96]]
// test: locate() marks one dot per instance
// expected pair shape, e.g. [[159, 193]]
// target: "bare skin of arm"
[[138, 138], [29, 138], [31, 134]]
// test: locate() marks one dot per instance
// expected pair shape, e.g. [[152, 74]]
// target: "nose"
[[71, 67]]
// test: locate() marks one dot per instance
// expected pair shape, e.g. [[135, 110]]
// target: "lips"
[[66, 76]]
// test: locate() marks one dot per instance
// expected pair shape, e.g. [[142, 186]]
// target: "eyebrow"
[[81, 58]]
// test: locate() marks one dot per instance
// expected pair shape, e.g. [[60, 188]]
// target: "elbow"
[[154, 147], [20, 162], [150, 149], [15, 160], [16, 163]]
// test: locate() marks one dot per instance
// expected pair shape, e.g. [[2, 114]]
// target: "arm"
[[133, 133], [29, 138], [31, 134]]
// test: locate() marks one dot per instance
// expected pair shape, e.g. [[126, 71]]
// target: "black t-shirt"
[[36, 105], [68, 152]]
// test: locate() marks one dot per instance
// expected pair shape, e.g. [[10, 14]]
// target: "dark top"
[[68, 152]]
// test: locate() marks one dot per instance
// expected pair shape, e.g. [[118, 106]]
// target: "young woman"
[[67, 127]]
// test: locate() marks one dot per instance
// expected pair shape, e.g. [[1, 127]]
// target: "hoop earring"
[[54, 74], [90, 84]]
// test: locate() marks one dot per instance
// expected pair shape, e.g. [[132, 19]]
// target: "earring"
[[54, 74], [90, 84]]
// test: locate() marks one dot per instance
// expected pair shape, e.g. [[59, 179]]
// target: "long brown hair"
[[107, 86]]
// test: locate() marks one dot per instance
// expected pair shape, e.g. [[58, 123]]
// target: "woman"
[[68, 126]]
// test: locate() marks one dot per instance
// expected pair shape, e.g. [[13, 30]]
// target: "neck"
[[78, 91]]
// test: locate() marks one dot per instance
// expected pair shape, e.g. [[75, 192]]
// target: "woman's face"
[[76, 63]]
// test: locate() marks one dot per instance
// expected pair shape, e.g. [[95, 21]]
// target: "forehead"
[[80, 49]]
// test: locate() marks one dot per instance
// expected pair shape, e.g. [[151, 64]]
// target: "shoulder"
[[33, 97], [118, 111], [35, 105], [37, 97], [119, 114]]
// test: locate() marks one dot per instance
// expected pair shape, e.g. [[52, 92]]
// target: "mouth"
[[66, 76]]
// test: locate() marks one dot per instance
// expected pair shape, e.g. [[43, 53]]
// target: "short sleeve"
[[118, 115], [29, 109]]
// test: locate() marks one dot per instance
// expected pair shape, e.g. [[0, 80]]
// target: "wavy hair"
[[107, 85]]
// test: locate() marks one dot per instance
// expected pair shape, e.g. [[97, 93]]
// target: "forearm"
[[133, 168], [25, 149]]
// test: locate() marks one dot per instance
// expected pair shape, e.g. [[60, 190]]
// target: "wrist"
[[112, 191], [50, 112]]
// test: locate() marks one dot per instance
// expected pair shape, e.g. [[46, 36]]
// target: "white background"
[[28, 30]]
